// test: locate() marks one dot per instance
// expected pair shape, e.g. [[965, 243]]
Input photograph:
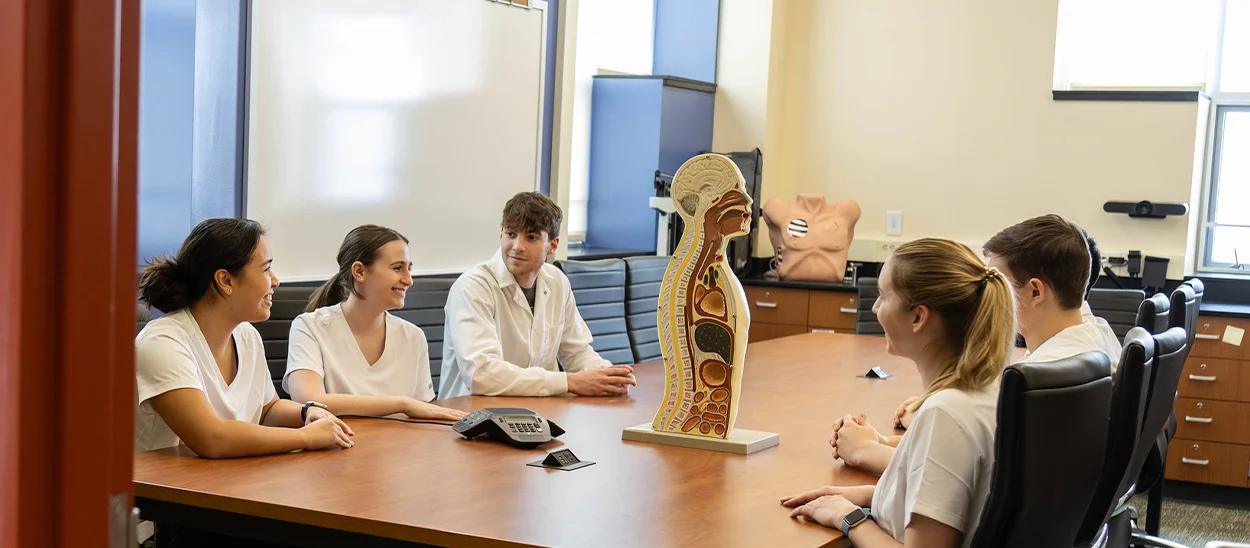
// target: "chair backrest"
[[142, 316], [1171, 349], [1186, 301], [1154, 314], [865, 321], [643, 276], [1049, 447], [1130, 392], [423, 307], [1117, 306], [288, 302], [599, 292]]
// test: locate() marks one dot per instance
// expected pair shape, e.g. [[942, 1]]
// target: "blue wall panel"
[[549, 96], [624, 154], [218, 116], [687, 126], [166, 86], [685, 39]]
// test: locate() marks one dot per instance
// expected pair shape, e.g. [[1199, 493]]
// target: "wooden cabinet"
[[780, 311], [1212, 442], [834, 310], [1206, 462]]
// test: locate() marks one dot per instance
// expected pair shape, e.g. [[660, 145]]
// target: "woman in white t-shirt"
[[200, 371], [348, 352], [942, 308]]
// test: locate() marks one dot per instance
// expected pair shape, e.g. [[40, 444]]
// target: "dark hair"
[[361, 245], [1049, 248], [1095, 263], [532, 212], [169, 284]]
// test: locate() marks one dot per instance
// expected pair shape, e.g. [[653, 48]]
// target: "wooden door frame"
[[68, 164]]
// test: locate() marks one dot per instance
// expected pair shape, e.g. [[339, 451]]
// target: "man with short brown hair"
[[1047, 260], [510, 318]]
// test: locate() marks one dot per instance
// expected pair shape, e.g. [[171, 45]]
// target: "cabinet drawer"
[[832, 310], [1206, 462], [1214, 379], [761, 331], [1209, 339], [781, 305], [1212, 420]]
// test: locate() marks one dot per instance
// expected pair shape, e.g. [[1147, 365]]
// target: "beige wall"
[[943, 110]]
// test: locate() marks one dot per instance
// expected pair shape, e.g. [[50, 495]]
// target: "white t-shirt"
[[171, 353], [1077, 339], [943, 466], [1106, 336], [494, 345], [322, 342]]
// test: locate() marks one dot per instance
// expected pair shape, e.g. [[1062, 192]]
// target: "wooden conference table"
[[424, 484]]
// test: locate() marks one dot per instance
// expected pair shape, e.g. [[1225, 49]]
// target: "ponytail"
[[330, 293], [988, 345], [163, 287]]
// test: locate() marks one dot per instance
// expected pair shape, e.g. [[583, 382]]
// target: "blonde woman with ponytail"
[[944, 309]]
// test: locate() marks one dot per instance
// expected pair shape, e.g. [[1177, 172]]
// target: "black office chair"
[[643, 276], [865, 321], [1130, 391], [1117, 306], [599, 292], [1185, 307], [423, 307], [1155, 314], [1039, 495], [1171, 349], [1186, 301], [142, 315], [288, 302]]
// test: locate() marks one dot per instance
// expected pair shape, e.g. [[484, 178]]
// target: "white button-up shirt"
[[493, 345]]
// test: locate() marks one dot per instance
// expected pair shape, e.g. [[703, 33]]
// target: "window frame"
[[1210, 185]]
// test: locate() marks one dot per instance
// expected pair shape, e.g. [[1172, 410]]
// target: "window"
[[1224, 241], [1176, 44], [1226, 231], [1135, 43]]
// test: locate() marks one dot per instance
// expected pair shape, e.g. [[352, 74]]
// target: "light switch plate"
[[894, 223]]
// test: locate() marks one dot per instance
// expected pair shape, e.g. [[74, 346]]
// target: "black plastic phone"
[[520, 427]]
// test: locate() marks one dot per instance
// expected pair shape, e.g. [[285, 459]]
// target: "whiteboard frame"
[[246, 100]]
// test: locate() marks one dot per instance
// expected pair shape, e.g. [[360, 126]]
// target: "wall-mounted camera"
[[1146, 209]]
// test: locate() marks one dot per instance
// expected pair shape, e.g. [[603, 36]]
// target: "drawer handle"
[[1207, 337], [847, 310], [1202, 462], [1203, 420], [1202, 378], [765, 305]]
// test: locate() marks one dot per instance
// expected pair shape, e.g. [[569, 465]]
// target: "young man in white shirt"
[[510, 318], [1047, 262]]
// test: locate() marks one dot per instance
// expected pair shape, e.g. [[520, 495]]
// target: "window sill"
[[1158, 96]]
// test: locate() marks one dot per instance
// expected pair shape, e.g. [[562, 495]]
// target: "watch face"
[[857, 515]]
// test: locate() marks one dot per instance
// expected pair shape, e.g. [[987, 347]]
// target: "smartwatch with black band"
[[303, 413], [854, 519]]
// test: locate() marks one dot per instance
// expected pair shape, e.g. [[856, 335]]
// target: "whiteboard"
[[421, 115]]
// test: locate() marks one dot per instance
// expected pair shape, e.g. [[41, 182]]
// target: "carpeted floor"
[[1195, 524]]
